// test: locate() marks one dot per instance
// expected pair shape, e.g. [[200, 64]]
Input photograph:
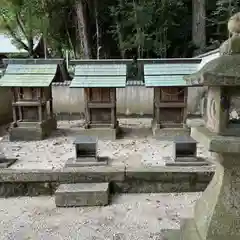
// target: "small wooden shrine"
[[99, 80], [165, 76], [32, 103]]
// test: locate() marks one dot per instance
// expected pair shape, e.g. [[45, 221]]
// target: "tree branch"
[[21, 25], [14, 36]]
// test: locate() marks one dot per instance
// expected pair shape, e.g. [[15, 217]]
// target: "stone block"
[[184, 146], [170, 132], [82, 194], [35, 132], [100, 133], [86, 147]]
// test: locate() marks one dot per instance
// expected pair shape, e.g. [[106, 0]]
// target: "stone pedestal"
[[86, 153], [185, 153], [32, 131], [217, 212], [158, 131]]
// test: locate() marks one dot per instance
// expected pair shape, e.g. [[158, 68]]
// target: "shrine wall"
[[132, 100]]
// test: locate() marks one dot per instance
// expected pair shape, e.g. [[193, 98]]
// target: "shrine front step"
[[170, 132], [26, 134], [32, 131], [82, 194], [100, 133]]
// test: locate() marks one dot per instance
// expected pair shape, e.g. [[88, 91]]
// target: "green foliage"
[[23, 20], [223, 11], [127, 28], [147, 25]]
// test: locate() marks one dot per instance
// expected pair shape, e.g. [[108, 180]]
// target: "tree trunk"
[[82, 29], [139, 31], [199, 25], [119, 31], [98, 37]]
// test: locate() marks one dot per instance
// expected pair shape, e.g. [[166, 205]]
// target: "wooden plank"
[[185, 108], [171, 105], [106, 94], [87, 92], [157, 102], [113, 101], [50, 102], [28, 103], [95, 95], [100, 105]]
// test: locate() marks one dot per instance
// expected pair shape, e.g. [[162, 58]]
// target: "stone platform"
[[122, 179], [169, 132], [100, 133], [31, 131]]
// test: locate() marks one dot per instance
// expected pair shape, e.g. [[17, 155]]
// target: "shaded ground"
[[138, 149], [129, 217]]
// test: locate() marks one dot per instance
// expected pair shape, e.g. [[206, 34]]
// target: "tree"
[[219, 18], [199, 24], [22, 20]]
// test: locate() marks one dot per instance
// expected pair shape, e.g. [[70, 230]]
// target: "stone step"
[[85, 162], [82, 194], [187, 164]]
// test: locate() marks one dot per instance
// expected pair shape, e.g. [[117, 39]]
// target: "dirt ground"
[[129, 217], [137, 149]]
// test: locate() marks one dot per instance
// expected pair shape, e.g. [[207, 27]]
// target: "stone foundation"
[[169, 132], [122, 180], [100, 133], [26, 131]]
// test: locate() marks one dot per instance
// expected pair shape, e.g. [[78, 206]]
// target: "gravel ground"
[[53, 152], [129, 217]]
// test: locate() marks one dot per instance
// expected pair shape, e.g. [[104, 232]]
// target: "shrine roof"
[[106, 74], [29, 74], [169, 72]]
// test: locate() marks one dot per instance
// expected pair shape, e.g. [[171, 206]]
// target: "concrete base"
[[73, 162], [100, 133], [82, 194], [32, 131], [169, 132], [123, 179], [188, 161]]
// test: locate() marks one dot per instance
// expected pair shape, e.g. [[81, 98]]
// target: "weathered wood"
[[87, 111], [28, 103], [100, 107], [14, 115], [113, 115], [170, 106], [185, 113]]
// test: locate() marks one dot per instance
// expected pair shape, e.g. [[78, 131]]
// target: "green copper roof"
[[99, 75], [28, 75], [167, 74]]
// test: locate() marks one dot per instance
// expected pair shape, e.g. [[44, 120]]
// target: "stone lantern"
[[217, 212]]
